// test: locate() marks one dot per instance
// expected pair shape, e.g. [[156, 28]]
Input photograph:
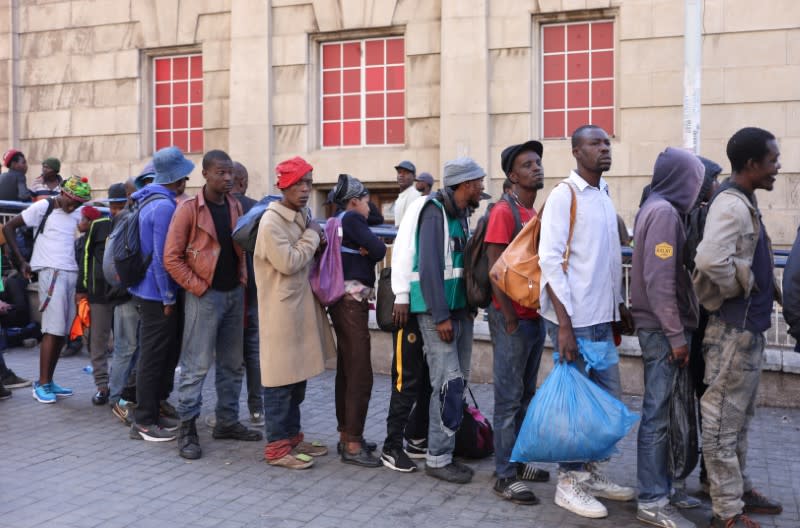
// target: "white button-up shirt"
[[591, 289]]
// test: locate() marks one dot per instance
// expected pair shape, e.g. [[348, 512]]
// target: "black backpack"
[[475, 436], [695, 223], [476, 262], [124, 246]]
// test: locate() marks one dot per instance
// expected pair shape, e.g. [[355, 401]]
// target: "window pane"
[[395, 78], [554, 68], [553, 37], [196, 116], [331, 55], [375, 132], [351, 81], [163, 120], [577, 37], [196, 141], [576, 118], [180, 117], [395, 51], [604, 118], [197, 67], [554, 125], [331, 82], [351, 54], [180, 139], [351, 133], [331, 135], [602, 93], [374, 52], [603, 64], [374, 104], [180, 93], [602, 35], [163, 139], [163, 94], [395, 103], [331, 108], [352, 107], [374, 79], [578, 95], [553, 96], [578, 66], [163, 67], [180, 68], [196, 95], [395, 131]]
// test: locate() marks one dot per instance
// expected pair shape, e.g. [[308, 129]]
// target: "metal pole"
[[692, 73]]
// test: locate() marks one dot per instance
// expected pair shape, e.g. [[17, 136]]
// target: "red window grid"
[[363, 92], [577, 77], [178, 102]]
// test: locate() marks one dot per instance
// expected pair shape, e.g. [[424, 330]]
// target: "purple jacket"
[[662, 296]]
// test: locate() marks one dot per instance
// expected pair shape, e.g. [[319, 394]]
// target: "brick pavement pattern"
[[72, 465]]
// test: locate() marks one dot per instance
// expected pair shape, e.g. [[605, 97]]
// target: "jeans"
[[449, 371], [608, 379], [353, 366], [410, 401], [126, 347], [99, 332], [252, 362], [212, 327], [733, 370], [652, 446], [282, 411], [516, 366], [158, 343]]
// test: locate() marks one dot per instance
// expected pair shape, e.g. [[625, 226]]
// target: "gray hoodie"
[[662, 297]]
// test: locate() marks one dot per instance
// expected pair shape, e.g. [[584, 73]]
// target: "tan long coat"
[[294, 334]]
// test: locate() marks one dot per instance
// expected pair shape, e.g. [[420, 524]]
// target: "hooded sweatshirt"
[[662, 296]]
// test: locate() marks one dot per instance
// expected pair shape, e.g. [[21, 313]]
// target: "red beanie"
[[290, 171]]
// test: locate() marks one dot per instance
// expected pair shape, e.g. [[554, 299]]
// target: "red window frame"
[[577, 77], [362, 92], [178, 102]]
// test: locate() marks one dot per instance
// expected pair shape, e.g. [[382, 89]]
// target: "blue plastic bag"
[[598, 355], [571, 419]]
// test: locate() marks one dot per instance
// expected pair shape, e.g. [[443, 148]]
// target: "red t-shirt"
[[500, 230]]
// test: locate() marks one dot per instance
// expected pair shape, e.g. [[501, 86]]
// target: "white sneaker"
[[600, 486], [665, 517], [571, 496]]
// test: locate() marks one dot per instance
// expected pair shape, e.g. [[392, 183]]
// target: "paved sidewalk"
[[72, 465]]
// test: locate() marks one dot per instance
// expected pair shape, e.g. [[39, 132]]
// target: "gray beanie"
[[460, 170]]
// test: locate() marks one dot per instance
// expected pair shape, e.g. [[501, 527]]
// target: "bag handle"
[[573, 211], [474, 402]]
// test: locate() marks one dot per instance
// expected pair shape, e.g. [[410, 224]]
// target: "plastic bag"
[[327, 275], [683, 452], [598, 355], [571, 419]]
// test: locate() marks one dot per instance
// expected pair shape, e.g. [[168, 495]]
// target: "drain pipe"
[[692, 74]]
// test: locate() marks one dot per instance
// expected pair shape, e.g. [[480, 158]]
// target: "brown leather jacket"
[[192, 250]]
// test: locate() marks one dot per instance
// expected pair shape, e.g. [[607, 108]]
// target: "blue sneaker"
[[58, 390], [42, 393]]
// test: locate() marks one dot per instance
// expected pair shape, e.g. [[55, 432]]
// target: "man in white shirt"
[[406, 172], [584, 301]]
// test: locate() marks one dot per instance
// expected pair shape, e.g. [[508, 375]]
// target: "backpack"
[[384, 302], [475, 437], [695, 223], [517, 273], [123, 263], [246, 229], [476, 261]]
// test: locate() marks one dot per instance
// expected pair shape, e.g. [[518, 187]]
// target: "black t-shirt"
[[226, 275]]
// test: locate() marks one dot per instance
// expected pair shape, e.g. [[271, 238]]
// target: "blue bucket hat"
[[148, 173], [171, 165]]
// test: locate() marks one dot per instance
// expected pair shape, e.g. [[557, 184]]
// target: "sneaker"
[[312, 449], [59, 391], [123, 410], [12, 381], [666, 516], [682, 500], [167, 423], [532, 473], [363, 458], [397, 459], [43, 393], [599, 485], [291, 461], [514, 490], [449, 473], [738, 521], [4, 392], [257, 419], [464, 468], [571, 495], [165, 408], [417, 448], [100, 397], [151, 433], [755, 502], [236, 431]]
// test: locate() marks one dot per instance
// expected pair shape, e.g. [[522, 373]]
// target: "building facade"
[[358, 85]]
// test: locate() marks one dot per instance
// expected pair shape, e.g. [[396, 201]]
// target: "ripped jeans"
[[449, 369]]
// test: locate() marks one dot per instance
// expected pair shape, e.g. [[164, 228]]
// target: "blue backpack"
[[124, 265]]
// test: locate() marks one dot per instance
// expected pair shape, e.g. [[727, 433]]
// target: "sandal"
[[291, 461], [314, 449]]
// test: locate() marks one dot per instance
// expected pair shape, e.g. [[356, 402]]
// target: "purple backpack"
[[327, 276]]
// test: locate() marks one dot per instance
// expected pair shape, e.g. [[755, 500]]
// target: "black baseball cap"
[[509, 154]]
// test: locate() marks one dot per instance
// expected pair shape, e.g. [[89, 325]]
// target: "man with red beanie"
[[295, 335]]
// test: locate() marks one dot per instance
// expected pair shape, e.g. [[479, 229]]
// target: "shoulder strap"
[[515, 213], [573, 210], [40, 229]]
